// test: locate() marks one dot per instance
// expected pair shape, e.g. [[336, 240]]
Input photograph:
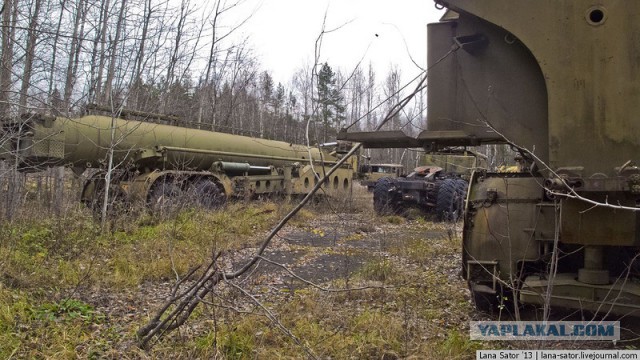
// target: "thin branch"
[[275, 320], [212, 277]]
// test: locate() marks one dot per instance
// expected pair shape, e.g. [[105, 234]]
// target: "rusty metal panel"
[[459, 164], [585, 224], [589, 56], [503, 221], [491, 81]]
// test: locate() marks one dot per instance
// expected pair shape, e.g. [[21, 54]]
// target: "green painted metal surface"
[[84, 142]]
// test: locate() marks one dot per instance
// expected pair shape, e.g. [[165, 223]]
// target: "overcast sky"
[[283, 33]]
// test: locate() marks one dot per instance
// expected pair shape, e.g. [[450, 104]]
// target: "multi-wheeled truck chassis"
[[159, 164]]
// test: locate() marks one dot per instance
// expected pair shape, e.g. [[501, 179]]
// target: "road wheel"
[[166, 196], [208, 194], [384, 197], [450, 200]]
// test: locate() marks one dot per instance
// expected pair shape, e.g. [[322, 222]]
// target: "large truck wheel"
[[384, 197], [463, 185], [450, 200], [166, 196], [209, 194]]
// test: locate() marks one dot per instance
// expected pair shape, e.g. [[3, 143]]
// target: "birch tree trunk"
[[7, 56], [108, 87], [76, 47], [29, 54]]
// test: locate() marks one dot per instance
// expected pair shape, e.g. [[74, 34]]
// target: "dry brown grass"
[[115, 280]]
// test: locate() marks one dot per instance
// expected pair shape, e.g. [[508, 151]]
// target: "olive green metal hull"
[[560, 82], [85, 142], [561, 76]]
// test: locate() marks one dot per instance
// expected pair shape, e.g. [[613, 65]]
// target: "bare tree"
[[29, 53], [303, 87], [391, 92], [357, 96], [370, 95], [140, 56], [108, 86], [9, 15], [74, 54], [99, 41]]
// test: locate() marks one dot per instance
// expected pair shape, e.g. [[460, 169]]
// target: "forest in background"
[[179, 58], [186, 59], [70, 288]]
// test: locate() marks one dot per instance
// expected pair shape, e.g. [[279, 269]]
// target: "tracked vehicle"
[[159, 164], [559, 82]]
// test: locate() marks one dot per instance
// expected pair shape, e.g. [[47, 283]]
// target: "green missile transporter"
[[158, 164]]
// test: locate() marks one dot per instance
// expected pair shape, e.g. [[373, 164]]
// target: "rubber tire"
[[166, 196], [383, 198], [450, 200], [208, 194], [463, 185]]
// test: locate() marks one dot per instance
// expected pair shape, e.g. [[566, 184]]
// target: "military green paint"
[[87, 139], [589, 70], [562, 80], [158, 151]]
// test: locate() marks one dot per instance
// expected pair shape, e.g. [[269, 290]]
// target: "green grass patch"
[[395, 219], [34, 328], [457, 346], [51, 256], [378, 270], [63, 252], [46, 263]]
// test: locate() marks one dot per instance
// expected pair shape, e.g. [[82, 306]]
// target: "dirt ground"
[[332, 250], [336, 282]]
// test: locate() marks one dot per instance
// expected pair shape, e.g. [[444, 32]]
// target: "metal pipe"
[[593, 257], [236, 154], [593, 271]]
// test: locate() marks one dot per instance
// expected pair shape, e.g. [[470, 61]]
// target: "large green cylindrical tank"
[[84, 142]]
